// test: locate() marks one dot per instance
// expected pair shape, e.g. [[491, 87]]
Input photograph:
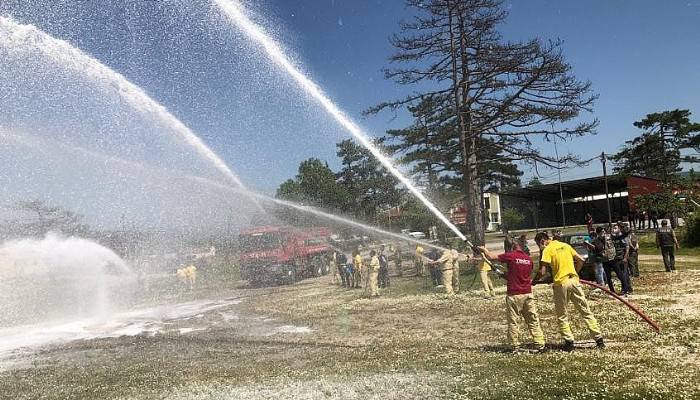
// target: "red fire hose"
[[625, 302]]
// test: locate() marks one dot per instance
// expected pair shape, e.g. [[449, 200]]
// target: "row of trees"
[[361, 188], [481, 106]]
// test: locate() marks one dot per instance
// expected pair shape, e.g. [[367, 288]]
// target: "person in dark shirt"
[[520, 303], [383, 268], [589, 222], [435, 272], [619, 239], [595, 253], [342, 261], [667, 242]]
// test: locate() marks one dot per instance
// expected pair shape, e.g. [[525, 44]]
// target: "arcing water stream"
[[22, 38], [29, 140], [236, 13]]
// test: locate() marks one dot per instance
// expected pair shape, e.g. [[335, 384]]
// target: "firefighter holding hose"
[[520, 302], [565, 263], [446, 261]]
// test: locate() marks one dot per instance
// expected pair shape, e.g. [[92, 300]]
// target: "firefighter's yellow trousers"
[[447, 280], [570, 290], [525, 306], [486, 281]]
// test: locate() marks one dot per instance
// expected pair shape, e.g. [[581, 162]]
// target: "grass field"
[[409, 343]]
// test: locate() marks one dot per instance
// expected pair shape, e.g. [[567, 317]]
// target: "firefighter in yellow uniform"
[[446, 266], [455, 270], [418, 261], [333, 267], [373, 274], [358, 267], [486, 279], [188, 276], [566, 287]]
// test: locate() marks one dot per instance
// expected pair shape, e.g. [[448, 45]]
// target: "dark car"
[[578, 242]]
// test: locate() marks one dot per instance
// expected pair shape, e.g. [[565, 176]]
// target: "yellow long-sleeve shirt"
[[446, 260], [357, 261]]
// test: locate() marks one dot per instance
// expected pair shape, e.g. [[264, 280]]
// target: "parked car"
[[413, 234], [578, 242]]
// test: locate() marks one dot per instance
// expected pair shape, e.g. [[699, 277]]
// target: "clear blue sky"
[[641, 56]]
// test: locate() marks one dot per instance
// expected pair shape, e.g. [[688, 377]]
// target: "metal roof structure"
[[570, 189]]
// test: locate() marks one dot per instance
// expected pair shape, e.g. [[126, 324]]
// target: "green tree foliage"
[[371, 188], [511, 218], [431, 146], [692, 230], [315, 184], [534, 181], [665, 202], [501, 96], [658, 151]]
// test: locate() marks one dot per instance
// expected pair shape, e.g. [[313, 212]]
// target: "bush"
[[511, 218], [692, 230]]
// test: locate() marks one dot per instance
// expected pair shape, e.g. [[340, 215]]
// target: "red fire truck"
[[281, 254]]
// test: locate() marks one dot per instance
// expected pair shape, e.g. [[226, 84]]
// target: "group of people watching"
[[614, 249], [372, 274]]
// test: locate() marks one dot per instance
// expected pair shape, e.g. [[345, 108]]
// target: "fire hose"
[[614, 295], [625, 302]]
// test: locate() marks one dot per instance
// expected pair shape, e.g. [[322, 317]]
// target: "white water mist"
[[57, 278]]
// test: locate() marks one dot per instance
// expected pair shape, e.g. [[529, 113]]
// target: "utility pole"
[[561, 193], [603, 159]]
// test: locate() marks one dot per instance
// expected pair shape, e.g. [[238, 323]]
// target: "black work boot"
[[568, 345], [600, 343]]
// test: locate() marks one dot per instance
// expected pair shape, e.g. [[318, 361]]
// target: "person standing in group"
[[435, 275], [446, 263], [619, 238], [397, 259], [486, 279], [333, 267], [632, 253], [373, 274], [596, 248], [418, 261], [653, 219], [520, 302], [613, 252], [358, 268], [342, 261], [668, 243], [383, 268], [350, 272], [589, 222], [565, 263], [455, 270]]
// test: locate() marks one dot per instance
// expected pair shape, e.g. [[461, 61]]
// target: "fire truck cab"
[[280, 254]]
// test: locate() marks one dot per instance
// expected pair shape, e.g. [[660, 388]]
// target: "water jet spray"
[[237, 15]]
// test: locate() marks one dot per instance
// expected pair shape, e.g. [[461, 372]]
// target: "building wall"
[[492, 211], [540, 213]]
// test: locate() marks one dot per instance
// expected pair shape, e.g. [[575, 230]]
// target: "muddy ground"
[[409, 343]]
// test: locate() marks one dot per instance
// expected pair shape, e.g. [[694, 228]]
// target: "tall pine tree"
[[500, 95]]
